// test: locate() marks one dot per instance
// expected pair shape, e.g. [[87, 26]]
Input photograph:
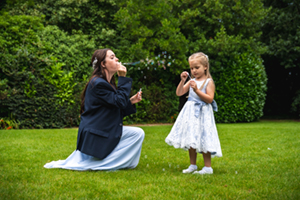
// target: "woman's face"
[[111, 63]]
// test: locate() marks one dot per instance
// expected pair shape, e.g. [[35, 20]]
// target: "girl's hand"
[[193, 85], [136, 98], [122, 70], [184, 76]]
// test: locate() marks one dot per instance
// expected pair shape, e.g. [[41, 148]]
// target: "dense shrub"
[[239, 76], [240, 81], [91, 17], [158, 82], [227, 31], [238, 72], [241, 89], [42, 61], [42, 72]]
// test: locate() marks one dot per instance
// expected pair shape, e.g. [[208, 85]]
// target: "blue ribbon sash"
[[199, 103]]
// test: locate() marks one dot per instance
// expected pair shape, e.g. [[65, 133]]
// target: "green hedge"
[[241, 89], [158, 81], [45, 60], [43, 71], [239, 75]]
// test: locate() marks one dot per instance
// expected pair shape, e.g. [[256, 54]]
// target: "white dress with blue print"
[[195, 126]]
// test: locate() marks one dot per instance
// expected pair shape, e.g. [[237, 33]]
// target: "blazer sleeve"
[[108, 96], [130, 109]]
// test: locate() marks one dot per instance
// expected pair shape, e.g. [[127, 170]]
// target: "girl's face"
[[111, 63], [197, 69]]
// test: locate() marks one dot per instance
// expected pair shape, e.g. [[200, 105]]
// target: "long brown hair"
[[99, 72], [203, 60]]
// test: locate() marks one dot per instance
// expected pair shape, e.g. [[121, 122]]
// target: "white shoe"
[[190, 169], [205, 170]]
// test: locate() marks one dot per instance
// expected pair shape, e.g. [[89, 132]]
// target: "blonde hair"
[[203, 60]]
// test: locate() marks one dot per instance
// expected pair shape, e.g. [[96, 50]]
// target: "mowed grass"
[[260, 161]]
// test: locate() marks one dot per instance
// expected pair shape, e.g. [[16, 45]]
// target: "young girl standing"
[[195, 129]]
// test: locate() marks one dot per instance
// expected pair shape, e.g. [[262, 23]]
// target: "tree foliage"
[[92, 17], [281, 34], [221, 29], [284, 39], [166, 32]]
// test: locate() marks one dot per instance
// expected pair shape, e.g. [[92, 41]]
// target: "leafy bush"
[[6, 123], [134, 30], [241, 89], [158, 82], [43, 71], [91, 17], [239, 76], [227, 31], [240, 80]]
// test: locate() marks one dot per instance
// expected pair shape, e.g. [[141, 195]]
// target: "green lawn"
[[260, 161]]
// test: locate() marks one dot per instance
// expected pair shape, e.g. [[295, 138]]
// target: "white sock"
[[193, 166], [207, 168]]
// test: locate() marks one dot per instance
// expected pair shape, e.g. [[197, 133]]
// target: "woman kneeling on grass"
[[103, 143]]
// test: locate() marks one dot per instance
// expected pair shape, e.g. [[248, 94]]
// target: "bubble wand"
[[189, 75]]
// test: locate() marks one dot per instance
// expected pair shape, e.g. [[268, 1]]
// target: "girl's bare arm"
[[183, 88], [210, 92]]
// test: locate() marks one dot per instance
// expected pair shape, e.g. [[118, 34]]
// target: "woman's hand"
[[136, 98], [122, 70]]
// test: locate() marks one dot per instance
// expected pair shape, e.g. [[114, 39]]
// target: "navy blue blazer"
[[101, 122]]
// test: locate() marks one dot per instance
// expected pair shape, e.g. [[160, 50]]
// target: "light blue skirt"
[[125, 155]]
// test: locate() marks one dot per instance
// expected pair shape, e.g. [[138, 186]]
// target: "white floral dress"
[[195, 126]]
